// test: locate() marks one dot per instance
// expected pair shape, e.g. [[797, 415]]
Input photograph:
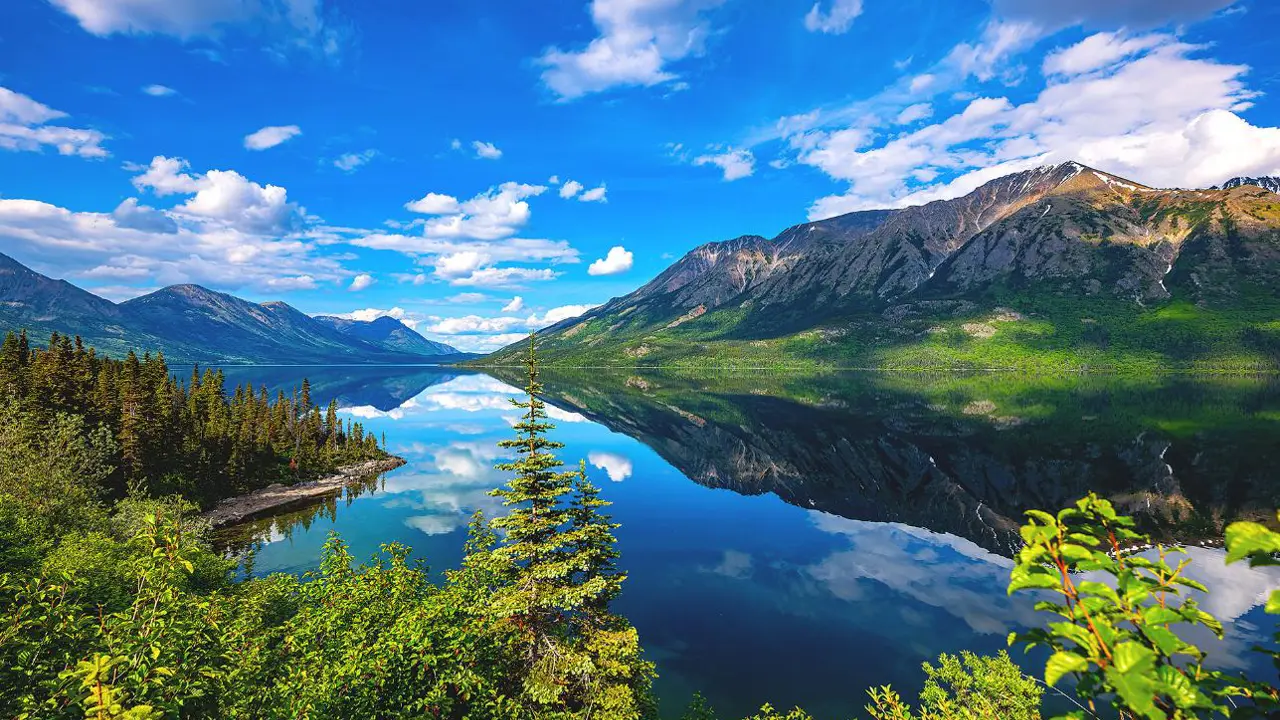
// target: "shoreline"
[[241, 508]]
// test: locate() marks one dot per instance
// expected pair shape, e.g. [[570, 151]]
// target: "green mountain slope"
[[1060, 267]]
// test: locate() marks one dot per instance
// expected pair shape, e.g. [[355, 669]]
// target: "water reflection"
[[837, 530]]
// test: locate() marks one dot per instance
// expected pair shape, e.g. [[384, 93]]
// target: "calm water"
[[795, 539]]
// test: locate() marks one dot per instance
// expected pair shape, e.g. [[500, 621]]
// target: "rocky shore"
[[274, 497]]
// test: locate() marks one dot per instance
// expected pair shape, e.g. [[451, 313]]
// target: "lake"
[[797, 539]]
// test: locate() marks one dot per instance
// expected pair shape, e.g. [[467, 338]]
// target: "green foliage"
[[155, 436], [969, 687], [1121, 636]]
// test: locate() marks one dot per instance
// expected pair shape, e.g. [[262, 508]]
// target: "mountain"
[[192, 324], [387, 333], [1057, 264], [965, 455], [1267, 182]]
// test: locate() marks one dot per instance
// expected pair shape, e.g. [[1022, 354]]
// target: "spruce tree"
[[556, 576]]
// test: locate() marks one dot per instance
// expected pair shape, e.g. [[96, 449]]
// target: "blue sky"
[[436, 160]]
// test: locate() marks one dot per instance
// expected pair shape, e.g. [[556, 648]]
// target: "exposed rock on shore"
[[274, 497]]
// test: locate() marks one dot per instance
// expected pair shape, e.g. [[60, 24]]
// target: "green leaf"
[[1254, 541], [1130, 657], [1061, 663]]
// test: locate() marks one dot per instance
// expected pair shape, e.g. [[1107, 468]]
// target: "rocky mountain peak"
[[1266, 182]]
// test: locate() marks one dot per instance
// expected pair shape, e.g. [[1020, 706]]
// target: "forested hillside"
[[121, 611], [168, 436]]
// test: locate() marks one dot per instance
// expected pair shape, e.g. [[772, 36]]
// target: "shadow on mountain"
[[383, 388], [955, 454]]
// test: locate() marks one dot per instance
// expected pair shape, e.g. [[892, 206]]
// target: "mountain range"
[[192, 324], [1061, 263]]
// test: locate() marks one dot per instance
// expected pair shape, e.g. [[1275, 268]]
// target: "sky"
[[482, 169]]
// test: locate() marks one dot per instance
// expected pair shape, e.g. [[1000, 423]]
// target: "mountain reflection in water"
[[871, 518]]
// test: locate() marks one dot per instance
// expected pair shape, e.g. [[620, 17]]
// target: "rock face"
[[970, 468], [190, 323], [1066, 229], [1270, 183]]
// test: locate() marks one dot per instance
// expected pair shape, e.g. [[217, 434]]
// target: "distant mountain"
[[1269, 182], [387, 333], [1078, 246], [190, 323]]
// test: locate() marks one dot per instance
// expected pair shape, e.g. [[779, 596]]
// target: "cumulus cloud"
[[225, 196], [570, 188], [371, 314], [129, 214], [555, 315], [434, 204], [638, 40], [286, 24], [736, 164], [271, 136], [474, 325], [837, 19], [618, 260], [361, 282], [516, 305], [159, 90], [617, 467], [496, 213], [147, 247], [1147, 107], [596, 194], [573, 188], [485, 150], [24, 126]]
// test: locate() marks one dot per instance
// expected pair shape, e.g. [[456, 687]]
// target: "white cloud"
[[286, 24], [1144, 107], [474, 325], [573, 188], [485, 150], [618, 260], [638, 40], [596, 194], [496, 213], [225, 196], [23, 127], [1098, 51], [129, 214], [350, 162], [371, 314], [148, 247], [505, 277], [271, 136], [912, 113], [837, 20], [736, 164], [921, 82], [516, 305], [159, 90], [434, 204], [553, 180], [570, 188], [361, 282], [617, 467], [555, 315]]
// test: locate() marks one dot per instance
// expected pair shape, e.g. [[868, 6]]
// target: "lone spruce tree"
[[557, 560]]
